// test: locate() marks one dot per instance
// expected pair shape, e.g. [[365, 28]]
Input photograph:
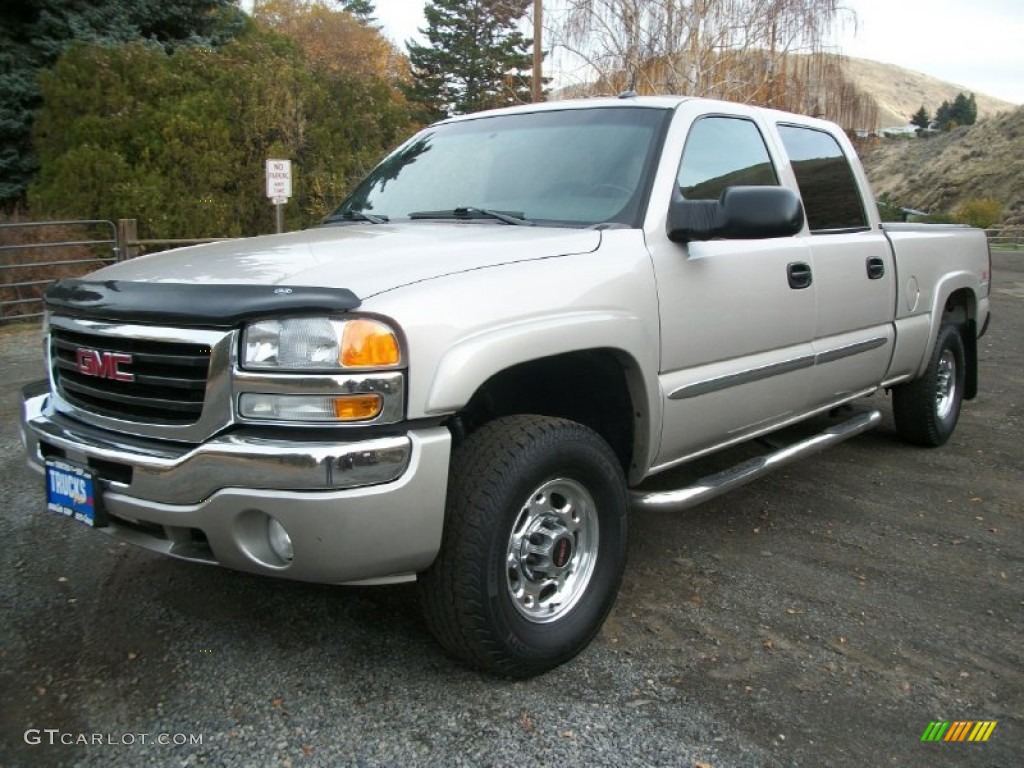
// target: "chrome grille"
[[169, 378]]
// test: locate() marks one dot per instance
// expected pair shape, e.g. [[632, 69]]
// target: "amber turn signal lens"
[[357, 407], [369, 344]]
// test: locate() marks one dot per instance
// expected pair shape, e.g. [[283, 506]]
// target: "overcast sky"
[[978, 44]]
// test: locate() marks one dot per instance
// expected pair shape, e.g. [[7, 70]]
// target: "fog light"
[[280, 541], [310, 407]]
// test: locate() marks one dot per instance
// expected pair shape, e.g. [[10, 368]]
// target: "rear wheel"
[[926, 409], [534, 545]]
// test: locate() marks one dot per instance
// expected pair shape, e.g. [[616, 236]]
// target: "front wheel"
[[926, 409], [534, 545]]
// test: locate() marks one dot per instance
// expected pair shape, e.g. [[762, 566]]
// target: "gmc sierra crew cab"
[[464, 375]]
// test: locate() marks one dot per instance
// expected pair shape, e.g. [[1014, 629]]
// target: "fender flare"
[[946, 287], [472, 361]]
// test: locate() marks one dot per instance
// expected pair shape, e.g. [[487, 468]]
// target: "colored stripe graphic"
[[959, 730], [935, 731], [982, 731]]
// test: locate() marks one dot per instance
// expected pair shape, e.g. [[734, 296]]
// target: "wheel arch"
[[601, 388]]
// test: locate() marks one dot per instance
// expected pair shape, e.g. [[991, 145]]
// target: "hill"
[[939, 173], [900, 92]]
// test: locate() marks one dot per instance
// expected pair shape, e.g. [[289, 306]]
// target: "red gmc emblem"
[[103, 365]]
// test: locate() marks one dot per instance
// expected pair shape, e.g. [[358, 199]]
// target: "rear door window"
[[827, 185]]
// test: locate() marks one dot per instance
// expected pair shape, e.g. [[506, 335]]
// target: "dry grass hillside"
[[900, 92], [939, 173]]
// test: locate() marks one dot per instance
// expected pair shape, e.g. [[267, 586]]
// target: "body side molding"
[[774, 369]]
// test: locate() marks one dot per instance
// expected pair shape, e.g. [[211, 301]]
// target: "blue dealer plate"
[[71, 491]]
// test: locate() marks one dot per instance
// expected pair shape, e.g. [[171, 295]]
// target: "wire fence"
[[1006, 238]]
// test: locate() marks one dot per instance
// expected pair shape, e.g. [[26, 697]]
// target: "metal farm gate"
[[34, 254]]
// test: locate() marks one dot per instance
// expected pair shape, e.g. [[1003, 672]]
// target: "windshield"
[[576, 167]]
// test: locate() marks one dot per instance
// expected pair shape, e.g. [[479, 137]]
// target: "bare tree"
[[759, 51]]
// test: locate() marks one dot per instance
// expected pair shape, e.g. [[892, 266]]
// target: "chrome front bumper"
[[355, 511]]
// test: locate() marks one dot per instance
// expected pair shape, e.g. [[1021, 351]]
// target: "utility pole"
[[538, 78]]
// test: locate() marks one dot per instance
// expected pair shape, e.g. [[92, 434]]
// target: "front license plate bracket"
[[73, 491]]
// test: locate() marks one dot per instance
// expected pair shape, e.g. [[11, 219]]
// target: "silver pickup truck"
[[463, 375]]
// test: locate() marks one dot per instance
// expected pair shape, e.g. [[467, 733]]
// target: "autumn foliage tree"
[[332, 41]]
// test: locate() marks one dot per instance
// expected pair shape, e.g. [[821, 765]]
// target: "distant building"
[[899, 130]]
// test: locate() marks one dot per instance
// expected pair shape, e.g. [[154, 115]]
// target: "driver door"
[[737, 316]]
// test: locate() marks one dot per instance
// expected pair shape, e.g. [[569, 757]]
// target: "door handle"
[[876, 268], [799, 275]]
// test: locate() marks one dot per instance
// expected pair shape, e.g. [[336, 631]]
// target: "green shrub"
[[980, 212], [179, 140]]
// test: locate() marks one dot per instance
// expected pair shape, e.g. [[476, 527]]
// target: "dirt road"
[[823, 616]]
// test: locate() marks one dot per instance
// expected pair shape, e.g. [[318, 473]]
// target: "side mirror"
[[741, 213]]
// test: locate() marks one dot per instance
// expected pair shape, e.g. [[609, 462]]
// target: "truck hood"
[[366, 259]]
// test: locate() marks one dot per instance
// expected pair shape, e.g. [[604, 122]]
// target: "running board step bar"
[[714, 485]]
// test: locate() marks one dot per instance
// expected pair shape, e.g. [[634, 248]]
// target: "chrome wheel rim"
[[945, 385], [552, 550]]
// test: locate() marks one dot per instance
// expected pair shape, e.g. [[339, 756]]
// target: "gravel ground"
[[820, 617]]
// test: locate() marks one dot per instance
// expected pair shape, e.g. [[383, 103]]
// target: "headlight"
[[319, 343]]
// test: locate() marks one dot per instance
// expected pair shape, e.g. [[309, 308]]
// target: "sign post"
[[279, 187]]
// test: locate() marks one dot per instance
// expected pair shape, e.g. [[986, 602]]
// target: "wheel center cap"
[[561, 552]]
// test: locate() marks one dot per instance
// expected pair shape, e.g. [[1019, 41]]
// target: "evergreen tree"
[[959, 112], [921, 118], [963, 110], [476, 57], [33, 33], [361, 9], [971, 111], [944, 115]]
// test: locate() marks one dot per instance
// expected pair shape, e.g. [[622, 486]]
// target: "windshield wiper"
[[468, 212], [356, 216]]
